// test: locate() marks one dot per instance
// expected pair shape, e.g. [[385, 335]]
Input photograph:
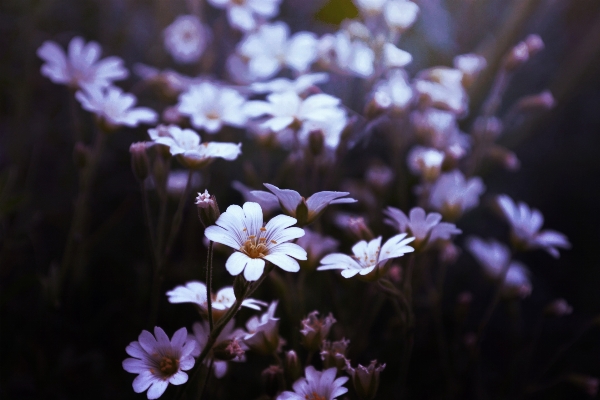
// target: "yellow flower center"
[[255, 246], [314, 396], [168, 365]]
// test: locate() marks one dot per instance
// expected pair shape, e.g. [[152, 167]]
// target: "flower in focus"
[[452, 194], [367, 256], [159, 361], [365, 379], [115, 107], [242, 14], [304, 210], [263, 332], [195, 292], [316, 386], [242, 229], [316, 329], [186, 39], [211, 106], [426, 228], [185, 144], [82, 67], [526, 223]]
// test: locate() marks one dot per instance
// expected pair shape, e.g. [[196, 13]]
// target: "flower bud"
[[365, 379], [558, 308], [534, 44], [81, 155], [517, 56], [228, 350], [315, 330], [333, 354], [293, 368], [208, 209], [538, 102], [359, 229], [140, 165]]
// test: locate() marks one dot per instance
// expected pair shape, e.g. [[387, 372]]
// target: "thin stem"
[[176, 224], [209, 258], [149, 224], [204, 384]]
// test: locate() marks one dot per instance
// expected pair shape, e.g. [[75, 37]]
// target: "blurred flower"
[[333, 354], [426, 228], [441, 87], [195, 292], [243, 14], [453, 195], [185, 144], [298, 85], [114, 107], [186, 38], [367, 256], [316, 386], [365, 379], [345, 54], [315, 330], [425, 162], [266, 200], [81, 68], [394, 93], [211, 106], [494, 257], [242, 229], [526, 224], [316, 245], [263, 332], [304, 210], [270, 48], [400, 14], [177, 182], [159, 361], [470, 65]]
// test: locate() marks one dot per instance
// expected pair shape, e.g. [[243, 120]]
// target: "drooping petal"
[[236, 263]]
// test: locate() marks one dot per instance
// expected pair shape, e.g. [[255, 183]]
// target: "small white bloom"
[[298, 85], [243, 14], [211, 106], [394, 57], [82, 67], [452, 194], [526, 224], [263, 331], [186, 38], [425, 162], [344, 54], [114, 106], [370, 7], [185, 144], [394, 93], [159, 361], [316, 386], [400, 14], [367, 256], [242, 229], [441, 87]]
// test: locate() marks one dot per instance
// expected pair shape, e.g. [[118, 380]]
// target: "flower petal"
[[284, 262], [254, 269], [236, 263]]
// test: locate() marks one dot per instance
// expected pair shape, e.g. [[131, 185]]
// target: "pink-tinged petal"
[[135, 350], [291, 249], [157, 389], [284, 262], [143, 381], [344, 201], [320, 200], [219, 235], [188, 347], [254, 269], [288, 199], [327, 377], [148, 342], [74, 49], [179, 338], [111, 69], [236, 263], [135, 366], [179, 378]]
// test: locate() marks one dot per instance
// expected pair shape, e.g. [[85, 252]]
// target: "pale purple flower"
[[316, 385], [245, 14], [263, 331], [186, 38], [367, 256], [315, 330], [159, 361], [426, 228], [526, 224], [394, 93], [115, 107], [441, 87], [242, 229], [452, 194], [82, 68], [305, 210], [210, 106], [345, 54], [264, 199]]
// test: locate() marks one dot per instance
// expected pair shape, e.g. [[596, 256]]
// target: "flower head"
[[316, 386], [242, 229], [263, 332], [365, 379], [82, 67], [243, 14], [452, 194], [526, 223], [159, 361], [186, 39], [367, 256], [333, 354], [316, 329]]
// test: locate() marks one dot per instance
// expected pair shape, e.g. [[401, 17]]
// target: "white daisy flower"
[[211, 106], [159, 361], [186, 38], [367, 256], [243, 14], [185, 144], [82, 67], [526, 224], [452, 194], [316, 385], [242, 229], [114, 106]]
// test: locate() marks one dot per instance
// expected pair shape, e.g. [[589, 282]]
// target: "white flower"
[[316, 386], [452, 194], [352, 56], [305, 210], [114, 106], [186, 39], [242, 229], [494, 257], [298, 85], [441, 87], [159, 361], [185, 144], [211, 106], [195, 292], [81, 68], [263, 331], [426, 162], [367, 256], [242, 14], [400, 14], [394, 93], [526, 224], [426, 228], [269, 49], [394, 57]]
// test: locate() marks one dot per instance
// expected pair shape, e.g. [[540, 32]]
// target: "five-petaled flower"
[[159, 361], [242, 229], [316, 385]]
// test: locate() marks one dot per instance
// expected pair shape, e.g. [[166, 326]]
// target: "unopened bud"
[[517, 56], [333, 354], [534, 44], [449, 252], [316, 140], [293, 368], [208, 209], [487, 129], [470, 65], [359, 229], [81, 155], [228, 350], [558, 308], [315, 330], [140, 165], [538, 102], [588, 384], [505, 157], [365, 379], [272, 378], [172, 115]]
